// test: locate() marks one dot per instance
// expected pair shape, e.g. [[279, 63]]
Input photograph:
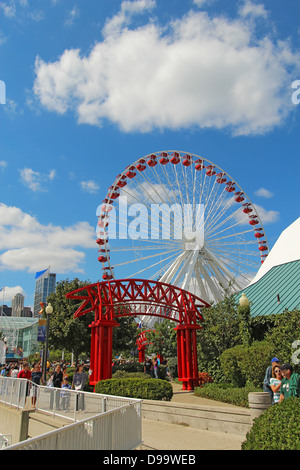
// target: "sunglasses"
[[277, 371]]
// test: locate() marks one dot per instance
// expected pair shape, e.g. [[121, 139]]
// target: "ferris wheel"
[[178, 218]]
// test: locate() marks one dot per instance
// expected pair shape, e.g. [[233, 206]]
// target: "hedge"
[[226, 393], [147, 389], [276, 429]]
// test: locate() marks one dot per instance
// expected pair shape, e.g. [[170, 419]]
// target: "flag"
[[140, 325], [42, 274]]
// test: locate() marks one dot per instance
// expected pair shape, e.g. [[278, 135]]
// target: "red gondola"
[[199, 164], [239, 196], [247, 208], [187, 160], [131, 173], [220, 178], [115, 193], [152, 160], [141, 165], [210, 170], [107, 274], [175, 158], [164, 160], [122, 181], [230, 187]]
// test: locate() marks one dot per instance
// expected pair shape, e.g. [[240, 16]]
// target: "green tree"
[[285, 332], [65, 331], [124, 336], [220, 331], [164, 339]]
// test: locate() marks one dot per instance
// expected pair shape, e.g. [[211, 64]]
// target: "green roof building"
[[276, 286]]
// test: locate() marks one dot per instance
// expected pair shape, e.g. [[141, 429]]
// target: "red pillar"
[[187, 356], [142, 353], [101, 344]]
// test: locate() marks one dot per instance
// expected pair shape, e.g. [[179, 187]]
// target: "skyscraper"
[[43, 287], [17, 304]]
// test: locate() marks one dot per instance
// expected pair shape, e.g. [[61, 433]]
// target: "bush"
[[146, 389], [226, 393], [172, 365], [247, 364], [276, 429], [128, 367], [204, 378]]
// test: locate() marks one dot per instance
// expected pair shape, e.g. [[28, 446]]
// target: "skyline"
[[90, 87]]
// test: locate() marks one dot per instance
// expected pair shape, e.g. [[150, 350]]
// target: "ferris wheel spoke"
[[164, 228], [149, 267]]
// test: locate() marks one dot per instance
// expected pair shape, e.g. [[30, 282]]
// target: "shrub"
[[129, 367], [147, 389], [172, 365], [204, 378], [226, 393], [247, 364], [276, 429]]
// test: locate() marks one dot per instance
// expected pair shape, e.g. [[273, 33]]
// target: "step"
[[228, 420]]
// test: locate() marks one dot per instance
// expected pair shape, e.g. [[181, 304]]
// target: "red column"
[[187, 355]]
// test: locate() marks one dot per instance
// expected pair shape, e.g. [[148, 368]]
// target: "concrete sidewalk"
[[158, 435]]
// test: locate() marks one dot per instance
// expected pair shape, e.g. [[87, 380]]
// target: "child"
[[65, 395]]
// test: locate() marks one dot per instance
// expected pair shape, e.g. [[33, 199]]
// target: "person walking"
[[57, 379], [25, 374], [79, 380]]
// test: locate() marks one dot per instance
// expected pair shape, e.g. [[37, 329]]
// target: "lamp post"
[[244, 301], [49, 311], [244, 317]]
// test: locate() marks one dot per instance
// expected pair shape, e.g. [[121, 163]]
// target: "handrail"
[[103, 422], [63, 402]]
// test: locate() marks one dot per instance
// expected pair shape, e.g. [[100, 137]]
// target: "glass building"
[[43, 288], [21, 334]]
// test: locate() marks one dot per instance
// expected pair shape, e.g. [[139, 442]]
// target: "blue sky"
[[91, 86]]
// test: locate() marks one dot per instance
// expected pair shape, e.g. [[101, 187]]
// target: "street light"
[[244, 302], [49, 311], [244, 317]]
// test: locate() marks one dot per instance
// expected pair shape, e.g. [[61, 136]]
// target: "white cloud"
[[89, 186], [34, 180], [9, 9], [262, 192], [26, 244], [128, 8], [253, 9], [202, 3], [3, 164], [267, 216], [9, 292], [73, 14], [195, 71]]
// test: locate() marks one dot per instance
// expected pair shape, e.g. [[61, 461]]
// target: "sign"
[[41, 336]]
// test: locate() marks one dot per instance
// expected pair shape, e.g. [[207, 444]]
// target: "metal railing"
[[103, 420]]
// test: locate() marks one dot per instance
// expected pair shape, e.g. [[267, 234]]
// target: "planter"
[[258, 403]]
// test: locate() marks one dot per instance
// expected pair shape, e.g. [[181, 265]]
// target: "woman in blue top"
[[275, 382]]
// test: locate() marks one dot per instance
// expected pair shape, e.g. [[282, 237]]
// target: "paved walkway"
[[158, 435]]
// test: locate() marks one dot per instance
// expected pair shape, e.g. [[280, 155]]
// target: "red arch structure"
[[142, 341], [116, 298]]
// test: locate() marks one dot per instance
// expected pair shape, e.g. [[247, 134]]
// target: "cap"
[[275, 359]]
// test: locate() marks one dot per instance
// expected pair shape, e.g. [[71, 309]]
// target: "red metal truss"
[[116, 298]]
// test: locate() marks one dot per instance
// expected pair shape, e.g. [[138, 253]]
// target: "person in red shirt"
[[25, 374]]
